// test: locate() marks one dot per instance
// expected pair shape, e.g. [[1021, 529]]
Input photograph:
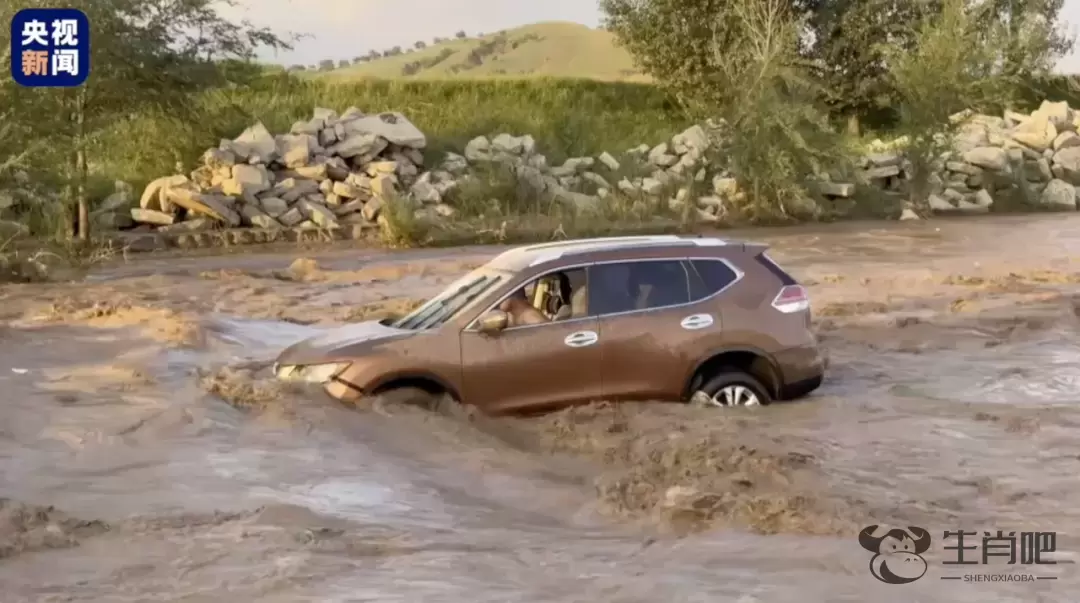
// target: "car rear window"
[[785, 278], [710, 277]]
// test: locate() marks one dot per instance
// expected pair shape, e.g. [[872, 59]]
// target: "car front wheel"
[[732, 388]]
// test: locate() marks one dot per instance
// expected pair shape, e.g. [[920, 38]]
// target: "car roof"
[[528, 256]]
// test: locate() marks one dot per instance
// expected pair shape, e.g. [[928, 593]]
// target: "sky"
[[342, 29]]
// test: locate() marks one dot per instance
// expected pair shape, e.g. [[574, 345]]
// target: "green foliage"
[[778, 135], [955, 63], [566, 117]]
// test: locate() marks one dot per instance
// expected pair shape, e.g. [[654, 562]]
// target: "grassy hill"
[[552, 49]]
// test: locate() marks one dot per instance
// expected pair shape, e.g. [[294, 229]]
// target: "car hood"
[[342, 343]]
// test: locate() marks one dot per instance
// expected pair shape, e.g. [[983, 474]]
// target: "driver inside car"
[[521, 312]]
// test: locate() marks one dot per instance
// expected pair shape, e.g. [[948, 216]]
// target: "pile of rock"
[[327, 171], [1035, 156], [335, 170]]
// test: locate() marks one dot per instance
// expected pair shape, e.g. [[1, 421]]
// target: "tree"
[[777, 134], [420, 45], [145, 56], [847, 56], [460, 35], [326, 65], [343, 63], [953, 63]]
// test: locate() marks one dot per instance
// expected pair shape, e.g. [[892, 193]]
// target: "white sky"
[[342, 29]]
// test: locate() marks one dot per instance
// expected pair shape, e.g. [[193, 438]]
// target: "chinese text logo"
[[50, 47], [897, 553]]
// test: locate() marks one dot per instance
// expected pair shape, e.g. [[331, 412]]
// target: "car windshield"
[[454, 300]]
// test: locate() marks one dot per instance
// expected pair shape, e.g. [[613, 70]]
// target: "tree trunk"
[[81, 172], [854, 128]]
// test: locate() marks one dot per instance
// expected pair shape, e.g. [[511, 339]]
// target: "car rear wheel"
[[732, 387]]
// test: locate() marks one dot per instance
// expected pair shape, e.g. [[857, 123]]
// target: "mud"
[[148, 455]]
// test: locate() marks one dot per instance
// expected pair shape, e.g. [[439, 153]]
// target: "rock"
[[392, 127], [296, 151], [456, 164], [477, 149], [694, 137], [218, 158], [382, 167], [1037, 133], [878, 173], [258, 143], [273, 206], [152, 197], [836, 189], [291, 218], [192, 225], [373, 208], [212, 206], [1066, 139], [1059, 194], [291, 189], [253, 216], [359, 144], [246, 180], [988, 158], [424, 191], [907, 214], [1068, 160], [609, 162], [964, 167], [1057, 114], [319, 214], [143, 215], [939, 204], [652, 186], [384, 186], [349, 207], [983, 198], [346, 190], [884, 159], [507, 144]]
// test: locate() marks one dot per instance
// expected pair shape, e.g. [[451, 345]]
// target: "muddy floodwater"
[[146, 454]]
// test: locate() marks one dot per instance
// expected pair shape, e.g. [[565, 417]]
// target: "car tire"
[[403, 396], [732, 387]]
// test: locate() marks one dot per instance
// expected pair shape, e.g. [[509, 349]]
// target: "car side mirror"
[[493, 322]]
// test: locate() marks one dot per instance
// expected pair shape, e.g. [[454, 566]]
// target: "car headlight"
[[313, 373]]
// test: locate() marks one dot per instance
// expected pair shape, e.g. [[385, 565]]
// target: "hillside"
[[554, 49]]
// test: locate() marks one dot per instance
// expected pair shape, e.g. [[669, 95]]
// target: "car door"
[[532, 367], [648, 340]]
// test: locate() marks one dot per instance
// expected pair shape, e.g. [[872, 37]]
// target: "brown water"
[[136, 404]]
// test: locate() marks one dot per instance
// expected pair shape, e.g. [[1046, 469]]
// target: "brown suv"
[[620, 318]]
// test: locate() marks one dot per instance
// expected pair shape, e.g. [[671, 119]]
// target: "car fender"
[[705, 358]]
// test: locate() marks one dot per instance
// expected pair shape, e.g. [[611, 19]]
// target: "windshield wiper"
[[419, 321], [449, 310]]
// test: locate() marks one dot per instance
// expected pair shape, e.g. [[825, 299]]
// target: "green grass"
[[566, 117], [552, 49]]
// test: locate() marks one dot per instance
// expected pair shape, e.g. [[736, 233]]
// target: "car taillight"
[[791, 299]]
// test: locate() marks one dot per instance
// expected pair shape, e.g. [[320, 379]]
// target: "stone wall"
[[337, 170]]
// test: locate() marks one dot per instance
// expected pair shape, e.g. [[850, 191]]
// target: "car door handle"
[[696, 321], [581, 339]]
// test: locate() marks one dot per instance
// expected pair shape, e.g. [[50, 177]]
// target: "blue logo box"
[[50, 47]]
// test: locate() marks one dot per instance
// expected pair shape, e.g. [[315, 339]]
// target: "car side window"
[[708, 277], [641, 285]]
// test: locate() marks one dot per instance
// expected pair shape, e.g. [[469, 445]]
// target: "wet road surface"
[[147, 456]]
